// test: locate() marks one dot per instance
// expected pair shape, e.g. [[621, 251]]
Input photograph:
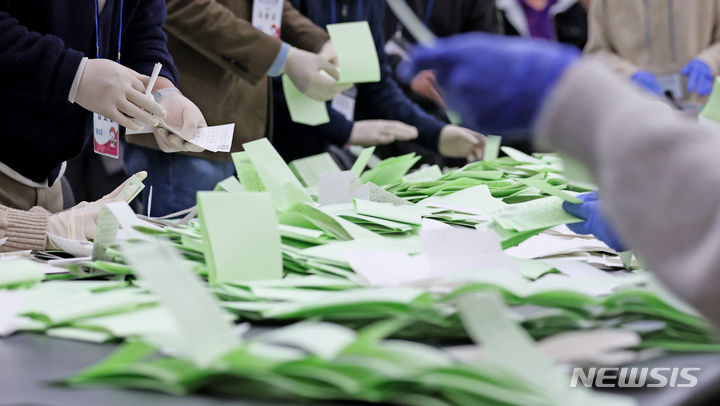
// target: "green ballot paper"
[[362, 161], [492, 147], [303, 109], [308, 170], [541, 185], [285, 189], [247, 174], [241, 236], [356, 52]]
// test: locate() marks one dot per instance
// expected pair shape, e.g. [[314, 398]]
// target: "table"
[[27, 361]]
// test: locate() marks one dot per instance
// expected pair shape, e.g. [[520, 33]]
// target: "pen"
[[153, 79]]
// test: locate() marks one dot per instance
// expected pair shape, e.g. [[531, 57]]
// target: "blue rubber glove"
[[700, 77], [647, 81], [595, 222], [497, 84]]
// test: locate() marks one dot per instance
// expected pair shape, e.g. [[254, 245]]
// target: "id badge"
[[344, 103], [106, 136], [267, 16], [672, 84]]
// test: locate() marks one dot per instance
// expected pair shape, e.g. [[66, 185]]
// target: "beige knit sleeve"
[[24, 230], [599, 45]]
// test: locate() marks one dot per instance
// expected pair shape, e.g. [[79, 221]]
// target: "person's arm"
[[36, 65], [145, 42], [299, 31], [385, 100], [216, 32], [657, 171], [599, 44], [711, 54], [24, 230]]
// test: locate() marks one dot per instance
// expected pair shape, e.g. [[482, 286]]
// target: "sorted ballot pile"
[[351, 262]]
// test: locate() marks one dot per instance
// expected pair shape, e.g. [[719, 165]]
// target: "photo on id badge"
[[106, 136]]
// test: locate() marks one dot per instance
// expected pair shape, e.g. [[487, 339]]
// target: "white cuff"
[[76, 81], [162, 92]]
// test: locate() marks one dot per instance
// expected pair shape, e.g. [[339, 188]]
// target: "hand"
[[424, 84], [497, 84], [700, 77], [80, 222], [182, 113], [313, 75], [116, 92], [367, 133], [458, 142], [328, 53], [647, 81], [595, 222]]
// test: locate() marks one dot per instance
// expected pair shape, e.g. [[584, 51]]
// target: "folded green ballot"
[[390, 170]]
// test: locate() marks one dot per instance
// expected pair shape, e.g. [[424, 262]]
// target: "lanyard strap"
[[333, 11], [428, 11], [97, 32]]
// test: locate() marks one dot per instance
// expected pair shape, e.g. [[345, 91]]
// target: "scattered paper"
[[206, 334]]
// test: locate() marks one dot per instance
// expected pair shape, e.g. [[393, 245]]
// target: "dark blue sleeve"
[[336, 132], [145, 42], [38, 66], [386, 100]]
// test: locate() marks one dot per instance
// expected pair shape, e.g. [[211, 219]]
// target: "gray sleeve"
[[658, 172]]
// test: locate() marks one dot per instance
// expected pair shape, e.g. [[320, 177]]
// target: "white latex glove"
[[181, 113], [367, 133], [80, 222], [328, 53], [458, 142], [305, 69], [118, 93]]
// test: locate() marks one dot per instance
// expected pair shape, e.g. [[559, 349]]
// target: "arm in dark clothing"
[[385, 99], [38, 66], [145, 42], [481, 15]]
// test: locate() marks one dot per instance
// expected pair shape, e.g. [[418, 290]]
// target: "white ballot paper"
[[216, 138]]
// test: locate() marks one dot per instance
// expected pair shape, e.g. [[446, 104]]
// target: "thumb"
[[331, 69], [579, 210]]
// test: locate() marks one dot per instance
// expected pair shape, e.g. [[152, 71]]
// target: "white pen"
[[153, 78]]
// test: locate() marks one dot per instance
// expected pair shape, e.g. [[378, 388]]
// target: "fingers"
[[145, 102], [706, 86], [400, 131], [577, 210], [192, 119], [162, 138], [125, 121], [588, 197], [580, 228], [137, 84], [330, 69], [130, 109]]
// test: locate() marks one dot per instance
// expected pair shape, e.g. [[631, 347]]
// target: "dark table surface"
[[28, 361]]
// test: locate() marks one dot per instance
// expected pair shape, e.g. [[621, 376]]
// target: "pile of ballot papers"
[[351, 262]]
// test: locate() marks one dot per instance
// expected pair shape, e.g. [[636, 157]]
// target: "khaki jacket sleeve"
[[711, 54], [228, 40], [657, 170], [299, 31], [599, 45], [24, 230]]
